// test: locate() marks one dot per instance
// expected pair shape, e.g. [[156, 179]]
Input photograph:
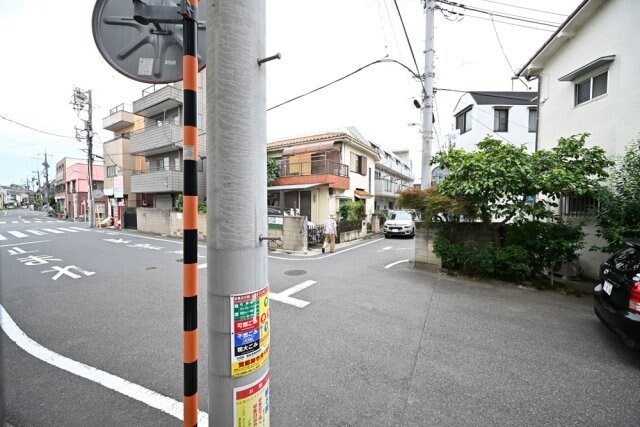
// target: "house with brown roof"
[[318, 172]]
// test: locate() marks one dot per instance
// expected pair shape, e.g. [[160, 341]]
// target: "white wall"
[[612, 119], [482, 124]]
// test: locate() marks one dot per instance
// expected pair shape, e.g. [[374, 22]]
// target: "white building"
[[510, 116], [586, 75]]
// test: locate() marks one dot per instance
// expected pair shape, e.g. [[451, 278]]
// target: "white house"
[[586, 75], [510, 116]]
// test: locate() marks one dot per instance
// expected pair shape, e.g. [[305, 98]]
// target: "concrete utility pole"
[[237, 288], [427, 96], [46, 177], [82, 99]]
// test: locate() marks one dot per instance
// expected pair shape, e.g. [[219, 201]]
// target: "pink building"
[[77, 186]]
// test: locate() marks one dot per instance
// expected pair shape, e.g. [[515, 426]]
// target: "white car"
[[399, 223]]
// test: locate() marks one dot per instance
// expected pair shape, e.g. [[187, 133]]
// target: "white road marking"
[[14, 222], [36, 232], [26, 222], [26, 243], [387, 248], [110, 381], [2, 237], [79, 229], [17, 234], [68, 229], [285, 296], [3, 222], [51, 230], [396, 263], [201, 266], [326, 256]]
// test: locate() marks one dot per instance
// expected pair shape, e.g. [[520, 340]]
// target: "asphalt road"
[[373, 346]]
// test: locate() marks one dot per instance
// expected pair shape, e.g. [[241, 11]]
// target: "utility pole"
[[82, 100], [427, 95], [237, 287], [46, 177]]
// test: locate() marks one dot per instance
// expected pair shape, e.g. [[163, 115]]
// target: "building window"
[[533, 119], [463, 121], [501, 120], [591, 88], [111, 171], [358, 164]]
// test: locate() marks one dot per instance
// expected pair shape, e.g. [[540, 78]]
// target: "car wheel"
[[413, 233], [386, 236]]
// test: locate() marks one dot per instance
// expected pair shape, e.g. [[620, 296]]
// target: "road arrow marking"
[[285, 296]]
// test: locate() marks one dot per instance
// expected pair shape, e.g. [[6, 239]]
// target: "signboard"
[[118, 187], [249, 331], [251, 404]]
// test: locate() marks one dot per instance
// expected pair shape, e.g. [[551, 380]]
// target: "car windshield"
[[401, 215]]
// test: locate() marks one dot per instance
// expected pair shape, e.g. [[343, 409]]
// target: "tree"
[[502, 181], [618, 216], [435, 206], [272, 171]]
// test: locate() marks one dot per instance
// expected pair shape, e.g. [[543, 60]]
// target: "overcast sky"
[[49, 49]]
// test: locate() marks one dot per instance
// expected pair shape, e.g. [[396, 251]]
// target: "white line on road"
[[24, 244], [326, 256], [285, 296], [2, 237], [110, 381], [51, 230], [201, 266], [386, 248], [17, 234], [79, 229], [68, 229], [36, 232], [396, 263]]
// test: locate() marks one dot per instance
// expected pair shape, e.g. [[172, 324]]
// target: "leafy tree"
[[352, 210], [500, 180], [618, 216], [272, 171], [435, 206]]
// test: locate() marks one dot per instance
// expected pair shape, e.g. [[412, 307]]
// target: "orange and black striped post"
[[190, 213]]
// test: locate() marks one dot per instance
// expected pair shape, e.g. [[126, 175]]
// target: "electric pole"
[[427, 95], [82, 101], [237, 287], [46, 177]]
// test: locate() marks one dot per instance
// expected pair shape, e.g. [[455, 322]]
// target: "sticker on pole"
[[250, 331], [251, 404]]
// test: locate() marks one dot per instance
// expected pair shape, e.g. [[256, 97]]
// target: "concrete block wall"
[[177, 227], [424, 256], [154, 220]]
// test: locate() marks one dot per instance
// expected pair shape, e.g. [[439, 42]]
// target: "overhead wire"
[[524, 8], [34, 129], [500, 14]]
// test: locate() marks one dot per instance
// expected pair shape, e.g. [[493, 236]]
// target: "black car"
[[617, 296]]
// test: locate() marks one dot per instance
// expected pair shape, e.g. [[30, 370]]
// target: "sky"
[[51, 50]]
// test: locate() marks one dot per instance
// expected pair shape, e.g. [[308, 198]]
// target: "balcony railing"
[[314, 167], [156, 140], [159, 181]]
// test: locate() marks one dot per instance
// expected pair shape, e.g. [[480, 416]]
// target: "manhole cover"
[[295, 272]]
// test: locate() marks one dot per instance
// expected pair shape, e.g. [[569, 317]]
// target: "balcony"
[[118, 118], [156, 99], [389, 188], [158, 181], [156, 140], [317, 171]]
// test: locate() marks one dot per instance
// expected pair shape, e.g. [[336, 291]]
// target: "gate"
[[315, 235], [130, 219]]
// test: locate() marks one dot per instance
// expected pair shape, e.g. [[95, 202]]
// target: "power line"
[[378, 61], [505, 53], [499, 22], [492, 94], [525, 8], [407, 37], [500, 14], [34, 129]]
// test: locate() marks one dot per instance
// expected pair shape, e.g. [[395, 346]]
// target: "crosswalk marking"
[[2, 237], [36, 232], [79, 229], [26, 222], [51, 230], [14, 222], [68, 229], [17, 234]]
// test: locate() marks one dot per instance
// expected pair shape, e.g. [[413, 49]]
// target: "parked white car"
[[399, 223]]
